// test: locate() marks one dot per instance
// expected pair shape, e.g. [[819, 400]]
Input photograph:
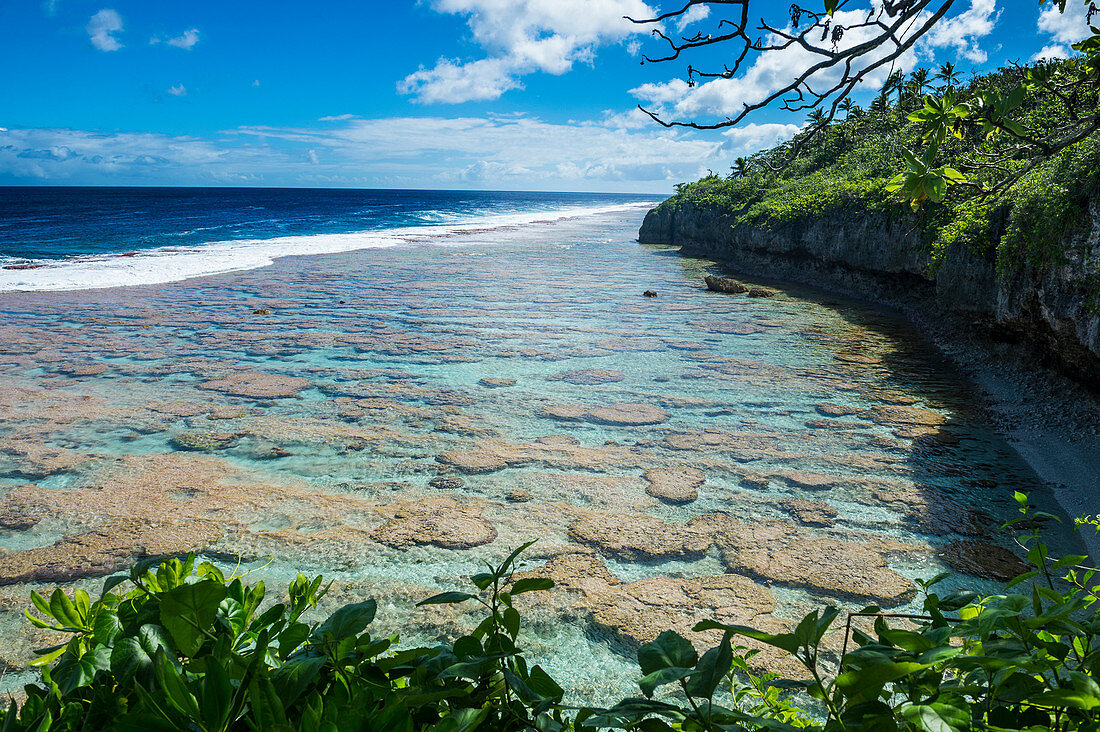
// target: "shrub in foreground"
[[177, 646]]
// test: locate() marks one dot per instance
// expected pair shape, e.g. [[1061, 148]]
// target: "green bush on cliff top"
[[848, 165], [180, 647]]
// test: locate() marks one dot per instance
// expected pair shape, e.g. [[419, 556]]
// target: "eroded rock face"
[[674, 485], [442, 522], [589, 377], [638, 537], [983, 560], [257, 385]]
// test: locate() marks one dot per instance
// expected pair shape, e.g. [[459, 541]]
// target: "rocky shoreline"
[[1029, 342]]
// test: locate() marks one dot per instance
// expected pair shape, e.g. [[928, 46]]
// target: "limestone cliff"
[[1052, 310]]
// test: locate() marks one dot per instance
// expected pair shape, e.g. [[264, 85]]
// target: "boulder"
[[674, 485], [724, 284]]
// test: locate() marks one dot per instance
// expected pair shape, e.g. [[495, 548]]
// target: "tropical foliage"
[[177, 646]]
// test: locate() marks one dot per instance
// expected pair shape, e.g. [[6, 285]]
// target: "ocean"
[[80, 238], [392, 388]]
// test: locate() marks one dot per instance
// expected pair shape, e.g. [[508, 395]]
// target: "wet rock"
[[518, 495], [858, 359], [983, 560], [761, 292], [724, 284], [19, 515], [806, 480], [649, 293], [204, 441], [840, 568], [905, 415], [81, 369], [441, 522], [638, 537], [628, 415], [634, 414], [558, 441], [836, 410], [674, 485], [447, 482], [474, 461], [589, 377], [756, 482], [256, 385], [261, 311], [894, 397], [493, 382], [810, 513], [276, 453], [106, 549]]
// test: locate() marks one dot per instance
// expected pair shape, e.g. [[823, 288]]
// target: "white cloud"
[[179, 90], [102, 29], [1052, 52], [516, 152], [747, 139], [336, 118], [185, 40], [773, 70], [694, 14], [522, 37], [964, 32], [1065, 28], [256, 83]]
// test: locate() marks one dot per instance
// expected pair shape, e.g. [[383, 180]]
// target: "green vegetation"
[[973, 180], [180, 647]]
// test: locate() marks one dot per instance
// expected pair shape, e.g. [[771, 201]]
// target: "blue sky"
[[496, 94]]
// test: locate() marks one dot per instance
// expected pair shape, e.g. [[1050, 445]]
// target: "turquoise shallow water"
[[321, 422]]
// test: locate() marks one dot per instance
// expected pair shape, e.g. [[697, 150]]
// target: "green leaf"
[[188, 611], [532, 584], [711, 669], [217, 696], [62, 608], [668, 650], [133, 657], [72, 673], [175, 688], [660, 677], [936, 717], [348, 621], [447, 598]]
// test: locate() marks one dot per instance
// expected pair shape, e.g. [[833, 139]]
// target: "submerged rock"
[[256, 385], [442, 522], [518, 495], [983, 560], [634, 414], [447, 482], [204, 441], [589, 377], [638, 537], [493, 382], [906, 415], [474, 461], [807, 480], [674, 485], [810, 513]]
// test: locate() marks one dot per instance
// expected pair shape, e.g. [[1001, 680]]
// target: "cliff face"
[[883, 258]]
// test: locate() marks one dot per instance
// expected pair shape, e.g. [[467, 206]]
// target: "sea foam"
[[173, 264]]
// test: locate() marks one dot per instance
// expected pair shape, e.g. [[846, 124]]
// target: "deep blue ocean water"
[[65, 238]]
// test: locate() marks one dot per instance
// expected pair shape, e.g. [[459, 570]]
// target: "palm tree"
[[918, 82], [880, 104], [895, 82], [817, 117], [948, 75], [740, 168], [846, 105]]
